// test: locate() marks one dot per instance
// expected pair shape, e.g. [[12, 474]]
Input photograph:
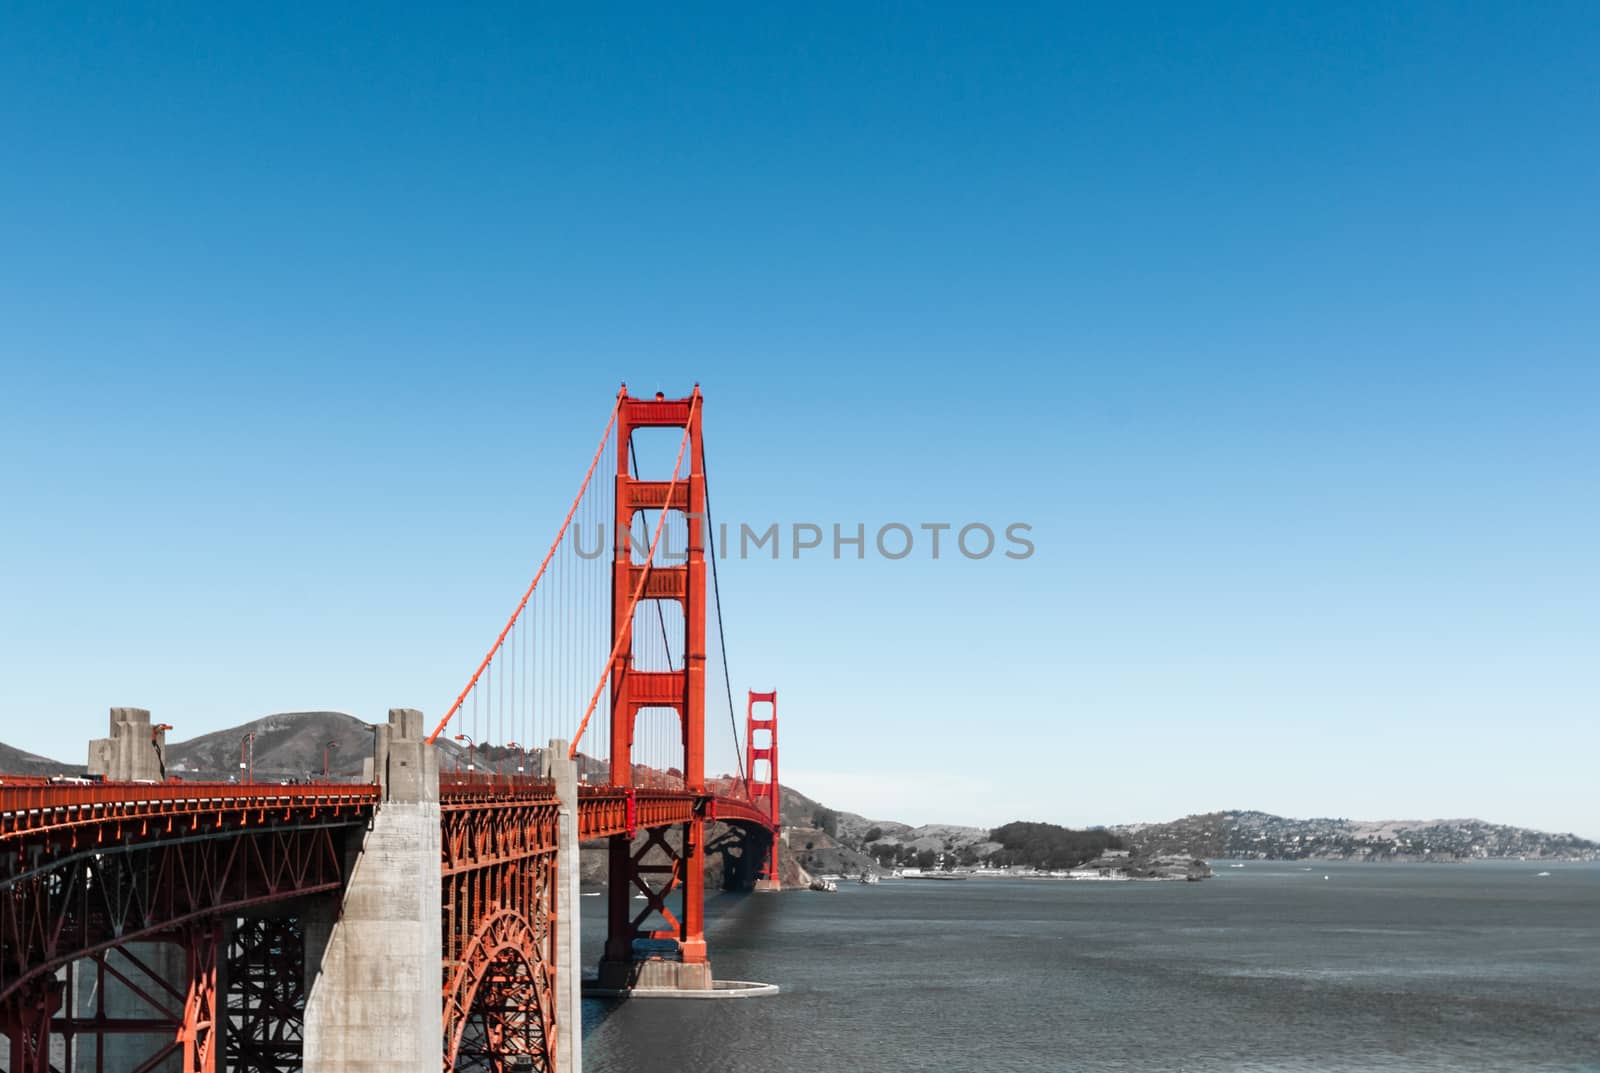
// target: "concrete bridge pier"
[[569, 972], [373, 960], [135, 751]]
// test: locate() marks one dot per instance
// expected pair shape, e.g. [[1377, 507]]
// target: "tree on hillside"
[[1048, 846]]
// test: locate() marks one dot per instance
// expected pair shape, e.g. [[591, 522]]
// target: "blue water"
[[1264, 968]]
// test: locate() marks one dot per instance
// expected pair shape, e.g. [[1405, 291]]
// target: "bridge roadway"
[[96, 814]]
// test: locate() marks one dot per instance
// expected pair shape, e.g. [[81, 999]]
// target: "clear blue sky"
[[1281, 328]]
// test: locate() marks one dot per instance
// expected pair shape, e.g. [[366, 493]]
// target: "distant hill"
[[1261, 835], [822, 839], [287, 745], [18, 762]]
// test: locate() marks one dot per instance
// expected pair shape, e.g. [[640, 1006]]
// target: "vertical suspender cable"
[[722, 638]]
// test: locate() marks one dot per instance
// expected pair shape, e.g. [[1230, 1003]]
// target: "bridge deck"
[[94, 811]]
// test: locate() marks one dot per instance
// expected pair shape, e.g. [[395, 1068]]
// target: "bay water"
[[1275, 966]]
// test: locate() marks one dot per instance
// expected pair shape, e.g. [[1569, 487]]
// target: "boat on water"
[[1543, 874], [868, 879], [825, 885]]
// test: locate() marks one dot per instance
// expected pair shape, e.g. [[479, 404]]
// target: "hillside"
[[827, 840], [819, 839], [288, 745], [18, 762], [1261, 835]]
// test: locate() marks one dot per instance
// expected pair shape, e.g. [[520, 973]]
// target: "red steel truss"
[[88, 869], [499, 931], [266, 996]]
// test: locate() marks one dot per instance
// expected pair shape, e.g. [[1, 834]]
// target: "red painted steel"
[[659, 868], [764, 790], [628, 578], [197, 1033], [25, 1019], [208, 852], [499, 890], [87, 812]]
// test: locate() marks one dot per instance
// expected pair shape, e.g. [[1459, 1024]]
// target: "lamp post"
[[471, 753], [522, 756], [247, 757], [326, 749]]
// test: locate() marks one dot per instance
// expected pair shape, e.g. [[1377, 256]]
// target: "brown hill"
[[287, 745], [18, 762]]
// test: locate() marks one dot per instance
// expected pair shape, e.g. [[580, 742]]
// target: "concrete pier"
[[135, 752], [569, 974], [373, 960], [150, 987]]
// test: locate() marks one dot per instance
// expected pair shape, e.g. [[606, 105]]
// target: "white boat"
[[1544, 873]]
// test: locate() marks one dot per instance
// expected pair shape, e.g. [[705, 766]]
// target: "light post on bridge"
[[326, 749], [247, 757], [471, 753], [522, 756]]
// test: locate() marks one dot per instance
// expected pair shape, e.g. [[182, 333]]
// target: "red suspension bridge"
[[417, 920]]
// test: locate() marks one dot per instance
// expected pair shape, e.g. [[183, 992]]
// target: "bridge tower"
[[659, 869], [761, 747]]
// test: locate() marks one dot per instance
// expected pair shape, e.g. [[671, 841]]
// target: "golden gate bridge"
[[416, 919]]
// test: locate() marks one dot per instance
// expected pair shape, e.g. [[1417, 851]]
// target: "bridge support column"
[[374, 965], [25, 1019], [569, 958]]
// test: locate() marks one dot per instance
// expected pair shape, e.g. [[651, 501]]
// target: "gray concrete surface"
[[373, 961], [133, 752]]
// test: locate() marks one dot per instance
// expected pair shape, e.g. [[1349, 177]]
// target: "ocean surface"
[[1264, 968]]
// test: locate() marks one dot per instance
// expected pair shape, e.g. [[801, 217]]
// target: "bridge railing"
[[33, 808], [490, 786]]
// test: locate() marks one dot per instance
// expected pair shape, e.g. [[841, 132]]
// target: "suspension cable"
[[560, 535], [722, 637]]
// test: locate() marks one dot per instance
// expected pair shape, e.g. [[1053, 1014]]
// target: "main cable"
[[722, 638]]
